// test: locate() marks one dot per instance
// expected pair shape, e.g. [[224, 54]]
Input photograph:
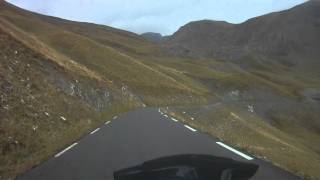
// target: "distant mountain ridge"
[[293, 33], [154, 37]]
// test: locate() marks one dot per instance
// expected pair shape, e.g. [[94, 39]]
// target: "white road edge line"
[[95, 131], [115, 117], [194, 130], [66, 149], [107, 122], [173, 119], [235, 151], [165, 115]]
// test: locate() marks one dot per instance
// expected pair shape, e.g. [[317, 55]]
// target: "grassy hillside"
[[96, 51], [41, 103], [263, 109]]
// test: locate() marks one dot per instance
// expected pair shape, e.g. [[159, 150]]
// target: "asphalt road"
[[131, 139]]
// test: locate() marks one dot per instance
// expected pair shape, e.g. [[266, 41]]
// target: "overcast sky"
[[163, 16]]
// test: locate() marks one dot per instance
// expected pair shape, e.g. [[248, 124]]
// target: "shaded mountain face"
[[197, 39], [153, 37], [294, 33]]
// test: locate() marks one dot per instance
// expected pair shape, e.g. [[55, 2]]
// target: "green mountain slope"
[[107, 53]]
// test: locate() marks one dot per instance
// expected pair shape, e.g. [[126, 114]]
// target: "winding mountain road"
[[133, 138]]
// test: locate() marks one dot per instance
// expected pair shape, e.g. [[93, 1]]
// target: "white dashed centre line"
[[68, 148], [95, 131], [173, 119], [235, 151], [193, 130]]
